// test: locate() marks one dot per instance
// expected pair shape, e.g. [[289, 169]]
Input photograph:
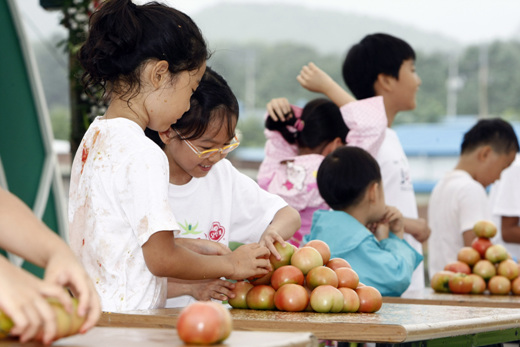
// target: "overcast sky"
[[469, 21]]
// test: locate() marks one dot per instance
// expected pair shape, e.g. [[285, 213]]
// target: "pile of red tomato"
[[306, 279], [480, 268]]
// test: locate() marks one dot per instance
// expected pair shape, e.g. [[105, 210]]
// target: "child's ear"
[[331, 146], [159, 73], [373, 191], [384, 82], [484, 152], [167, 136]]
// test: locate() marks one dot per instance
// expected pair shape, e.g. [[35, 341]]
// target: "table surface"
[[394, 323], [150, 337], [429, 297]]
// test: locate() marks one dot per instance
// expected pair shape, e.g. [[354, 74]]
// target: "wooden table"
[[394, 323], [153, 337], [429, 297]]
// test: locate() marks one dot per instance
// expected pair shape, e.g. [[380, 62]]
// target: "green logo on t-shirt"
[[189, 229]]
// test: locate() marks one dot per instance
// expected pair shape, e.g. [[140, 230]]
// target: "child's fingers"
[[92, 307], [50, 327], [57, 292], [279, 239], [279, 109], [37, 316], [224, 291], [89, 305], [301, 80], [260, 251], [274, 252]]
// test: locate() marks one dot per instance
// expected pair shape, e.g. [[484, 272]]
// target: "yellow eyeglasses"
[[211, 152]]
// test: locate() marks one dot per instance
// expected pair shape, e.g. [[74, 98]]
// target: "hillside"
[[327, 31]]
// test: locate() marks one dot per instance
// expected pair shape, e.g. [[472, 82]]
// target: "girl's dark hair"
[[495, 132], [322, 121], [123, 35], [345, 175], [213, 101], [375, 54]]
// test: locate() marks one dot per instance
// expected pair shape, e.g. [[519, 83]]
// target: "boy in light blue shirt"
[[349, 180]]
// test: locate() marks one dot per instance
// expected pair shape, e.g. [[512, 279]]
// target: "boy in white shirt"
[[383, 65], [459, 200]]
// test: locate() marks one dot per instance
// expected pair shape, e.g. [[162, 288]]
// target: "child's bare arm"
[[203, 290], [164, 257], [204, 246], [22, 233], [418, 228], [314, 79], [284, 224]]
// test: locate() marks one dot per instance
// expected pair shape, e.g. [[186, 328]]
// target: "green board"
[[28, 164]]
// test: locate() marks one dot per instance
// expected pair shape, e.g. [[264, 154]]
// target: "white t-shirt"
[[223, 206], [118, 198], [505, 201], [398, 188], [457, 202]]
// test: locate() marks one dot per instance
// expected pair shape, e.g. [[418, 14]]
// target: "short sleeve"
[[142, 189], [367, 122], [507, 198]]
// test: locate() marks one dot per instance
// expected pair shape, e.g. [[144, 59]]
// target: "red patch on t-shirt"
[[217, 232]]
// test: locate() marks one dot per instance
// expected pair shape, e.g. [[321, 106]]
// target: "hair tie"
[[299, 124]]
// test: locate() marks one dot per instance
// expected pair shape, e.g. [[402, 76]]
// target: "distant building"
[[432, 150]]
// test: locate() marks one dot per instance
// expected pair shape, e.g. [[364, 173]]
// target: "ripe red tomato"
[[336, 263], [286, 274], [204, 322], [322, 247], [261, 297], [347, 277], [326, 298], [241, 289], [321, 275], [460, 283], [291, 297], [370, 299], [499, 285], [306, 258], [481, 244]]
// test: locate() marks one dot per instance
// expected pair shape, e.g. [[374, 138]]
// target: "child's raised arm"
[[314, 79]]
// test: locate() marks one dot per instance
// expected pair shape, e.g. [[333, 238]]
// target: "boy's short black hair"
[[495, 132], [344, 176], [373, 55]]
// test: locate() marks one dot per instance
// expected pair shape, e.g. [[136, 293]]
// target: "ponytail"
[[320, 123], [123, 36]]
